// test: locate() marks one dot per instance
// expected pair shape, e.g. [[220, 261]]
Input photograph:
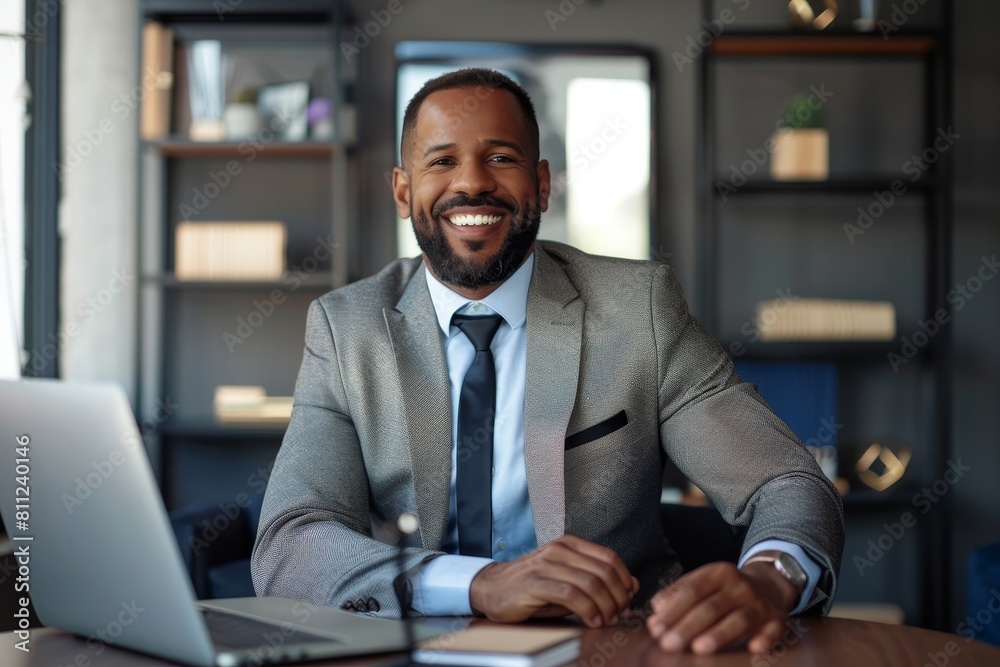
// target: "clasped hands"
[[704, 611]]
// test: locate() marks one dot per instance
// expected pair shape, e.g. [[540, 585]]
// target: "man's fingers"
[[602, 554], [567, 575], [698, 619], [674, 601], [620, 591], [735, 626], [766, 637], [584, 593]]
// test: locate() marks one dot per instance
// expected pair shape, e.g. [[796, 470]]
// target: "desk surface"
[[811, 641]]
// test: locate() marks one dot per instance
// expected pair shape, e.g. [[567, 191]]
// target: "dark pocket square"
[[609, 425]]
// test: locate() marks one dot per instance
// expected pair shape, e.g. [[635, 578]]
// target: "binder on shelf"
[[826, 320], [157, 80], [230, 250], [804, 395], [247, 405]]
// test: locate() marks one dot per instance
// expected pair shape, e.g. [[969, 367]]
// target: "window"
[[13, 121], [594, 108]]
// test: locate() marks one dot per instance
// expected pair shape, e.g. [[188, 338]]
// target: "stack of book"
[[230, 250], [826, 320], [245, 405]]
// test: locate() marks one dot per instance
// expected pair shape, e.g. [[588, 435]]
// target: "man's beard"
[[475, 273]]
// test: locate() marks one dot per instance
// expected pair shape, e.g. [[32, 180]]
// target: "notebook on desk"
[[82, 507]]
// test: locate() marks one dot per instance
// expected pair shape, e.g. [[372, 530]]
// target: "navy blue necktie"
[[474, 455]]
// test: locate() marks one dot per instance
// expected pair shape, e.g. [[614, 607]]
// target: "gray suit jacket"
[[370, 432]]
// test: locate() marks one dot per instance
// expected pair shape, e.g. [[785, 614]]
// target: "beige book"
[[230, 250], [825, 320]]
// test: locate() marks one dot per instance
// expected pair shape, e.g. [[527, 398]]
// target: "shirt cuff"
[[812, 569], [441, 585]]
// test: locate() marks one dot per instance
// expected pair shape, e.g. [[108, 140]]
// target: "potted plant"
[[801, 146], [241, 117]]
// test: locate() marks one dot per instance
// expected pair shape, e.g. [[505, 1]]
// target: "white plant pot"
[[242, 120]]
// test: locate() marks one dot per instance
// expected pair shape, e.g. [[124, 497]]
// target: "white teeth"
[[465, 220]]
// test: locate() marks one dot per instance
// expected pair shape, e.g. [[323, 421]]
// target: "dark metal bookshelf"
[[195, 335], [929, 228]]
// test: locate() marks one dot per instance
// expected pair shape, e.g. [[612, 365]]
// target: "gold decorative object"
[[802, 14], [895, 466]]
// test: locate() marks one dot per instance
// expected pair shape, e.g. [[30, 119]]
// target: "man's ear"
[[401, 191], [544, 184]]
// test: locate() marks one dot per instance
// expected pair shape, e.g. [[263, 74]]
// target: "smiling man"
[[520, 396]]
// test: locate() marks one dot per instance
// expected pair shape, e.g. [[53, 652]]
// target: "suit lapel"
[[555, 328], [426, 399]]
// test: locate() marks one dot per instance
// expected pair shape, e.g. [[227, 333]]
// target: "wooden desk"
[[813, 642]]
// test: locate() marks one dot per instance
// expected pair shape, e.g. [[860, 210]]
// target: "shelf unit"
[[799, 216], [310, 185]]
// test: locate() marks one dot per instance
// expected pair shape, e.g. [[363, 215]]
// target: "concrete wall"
[[99, 189]]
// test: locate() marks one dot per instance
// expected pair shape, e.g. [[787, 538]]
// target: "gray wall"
[[976, 428]]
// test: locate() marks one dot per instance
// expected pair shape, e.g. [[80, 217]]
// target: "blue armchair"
[[216, 541]]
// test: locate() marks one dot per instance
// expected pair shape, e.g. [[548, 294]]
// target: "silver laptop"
[[79, 499]]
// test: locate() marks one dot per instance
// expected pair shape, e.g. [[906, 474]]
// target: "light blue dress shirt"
[[441, 586]]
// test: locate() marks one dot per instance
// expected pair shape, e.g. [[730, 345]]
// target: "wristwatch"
[[785, 564]]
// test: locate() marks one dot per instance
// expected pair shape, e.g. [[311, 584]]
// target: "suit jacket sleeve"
[[725, 439], [314, 542]]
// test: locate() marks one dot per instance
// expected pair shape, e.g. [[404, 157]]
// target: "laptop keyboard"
[[231, 632]]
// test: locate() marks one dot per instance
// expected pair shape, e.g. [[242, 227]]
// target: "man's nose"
[[473, 178]]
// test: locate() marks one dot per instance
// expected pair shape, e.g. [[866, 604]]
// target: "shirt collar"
[[510, 300]]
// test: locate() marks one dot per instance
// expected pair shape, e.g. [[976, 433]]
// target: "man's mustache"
[[480, 200]]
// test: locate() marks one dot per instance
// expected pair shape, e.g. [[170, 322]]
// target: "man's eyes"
[[447, 161]]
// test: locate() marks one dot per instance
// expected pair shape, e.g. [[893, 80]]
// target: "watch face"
[[791, 569]]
